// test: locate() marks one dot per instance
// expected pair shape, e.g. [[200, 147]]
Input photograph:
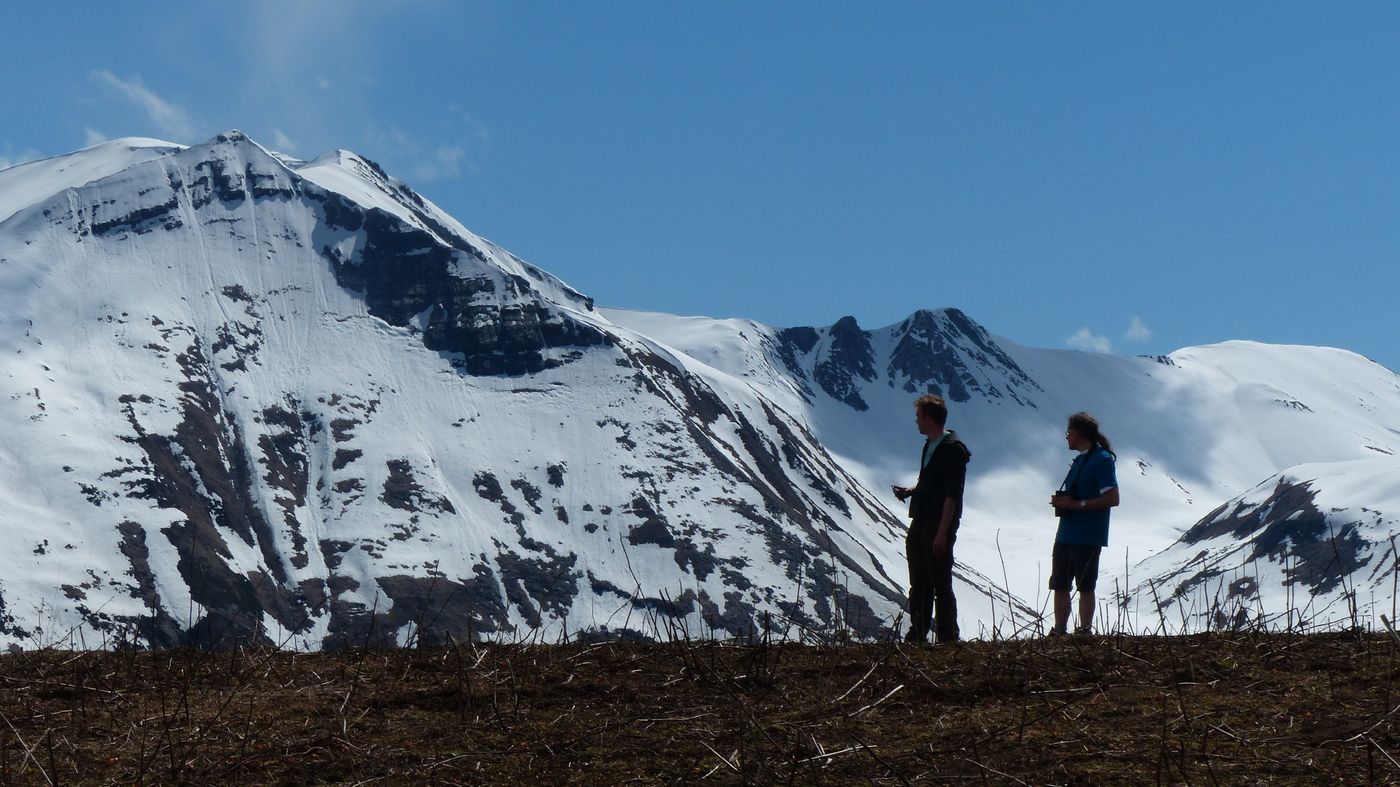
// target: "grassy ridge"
[[1206, 709]]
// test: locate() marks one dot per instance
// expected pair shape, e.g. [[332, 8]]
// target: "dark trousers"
[[931, 599]]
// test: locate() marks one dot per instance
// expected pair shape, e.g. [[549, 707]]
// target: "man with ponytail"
[[1082, 504]]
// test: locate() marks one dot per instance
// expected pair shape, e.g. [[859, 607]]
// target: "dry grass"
[[1206, 709]]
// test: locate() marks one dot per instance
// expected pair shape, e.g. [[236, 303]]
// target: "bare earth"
[[1206, 709]]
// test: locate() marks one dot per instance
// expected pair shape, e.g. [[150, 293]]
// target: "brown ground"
[[1208, 709]]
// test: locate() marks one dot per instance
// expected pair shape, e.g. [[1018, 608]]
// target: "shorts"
[[1079, 562]]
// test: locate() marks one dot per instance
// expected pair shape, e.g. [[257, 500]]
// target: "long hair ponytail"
[[1088, 426]]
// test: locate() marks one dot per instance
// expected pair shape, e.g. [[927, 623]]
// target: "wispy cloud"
[[10, 157], [421, 161], [94, 137], [312, 78], [1138, 331], [171, 119], [1088, 341], [282, 142], [445, 162], [316, 82], [318, 79]]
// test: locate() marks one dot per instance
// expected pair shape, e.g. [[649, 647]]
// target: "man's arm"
[[952, 476], [1108, 499], [945, 527]]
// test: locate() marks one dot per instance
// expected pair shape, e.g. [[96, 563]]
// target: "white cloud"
[[318, 75], [282, 142], [172, 120], [417, 160], [10, 157], [445, 162], [1088, 341], [1138, 331], [94, 137], [314, 71]]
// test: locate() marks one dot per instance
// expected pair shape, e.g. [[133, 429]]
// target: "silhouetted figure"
[[935, 508], [1082, 503]]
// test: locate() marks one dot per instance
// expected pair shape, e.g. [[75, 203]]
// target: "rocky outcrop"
[[848, 357], [495, 323], [1275, 552], [939, 352], [946, 353]]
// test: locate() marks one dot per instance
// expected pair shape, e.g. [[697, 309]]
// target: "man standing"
[[935, 509], [1089, 491]]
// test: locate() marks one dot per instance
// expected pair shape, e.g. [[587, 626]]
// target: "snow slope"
[[1191, 430], [248, 398], [25, 184], [1314, 545]]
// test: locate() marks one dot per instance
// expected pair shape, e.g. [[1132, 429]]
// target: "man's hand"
[[940, 545], [1063, 500], [902, 492]]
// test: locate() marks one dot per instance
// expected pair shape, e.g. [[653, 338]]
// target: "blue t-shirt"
[[1090, 476]]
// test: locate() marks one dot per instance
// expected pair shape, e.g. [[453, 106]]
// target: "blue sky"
[[1127, 177]]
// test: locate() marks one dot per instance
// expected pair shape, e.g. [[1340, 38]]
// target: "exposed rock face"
[[1288, 528], [495, 322], [941, 352], [848, 358], [938, 353], [202, 471], [1277, 536]]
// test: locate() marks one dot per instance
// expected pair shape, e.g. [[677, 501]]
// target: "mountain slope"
[[252, 398], [1312, 545], [1191, 430]]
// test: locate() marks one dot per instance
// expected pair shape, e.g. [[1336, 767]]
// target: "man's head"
[[1082, 433], [931, 414]]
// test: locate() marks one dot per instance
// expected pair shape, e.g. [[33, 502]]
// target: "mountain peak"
[[846, 327], [948, 319], [922, 321], [946, 352], [230, 144]]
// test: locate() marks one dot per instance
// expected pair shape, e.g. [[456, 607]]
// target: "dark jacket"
[[942, 478]]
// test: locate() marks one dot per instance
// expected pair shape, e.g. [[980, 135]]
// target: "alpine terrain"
[[253, 398], [248, 398], [1313, 431]]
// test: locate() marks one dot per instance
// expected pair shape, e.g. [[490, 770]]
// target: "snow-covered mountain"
[[1191, 430], [1313, 545], [252, 397]]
